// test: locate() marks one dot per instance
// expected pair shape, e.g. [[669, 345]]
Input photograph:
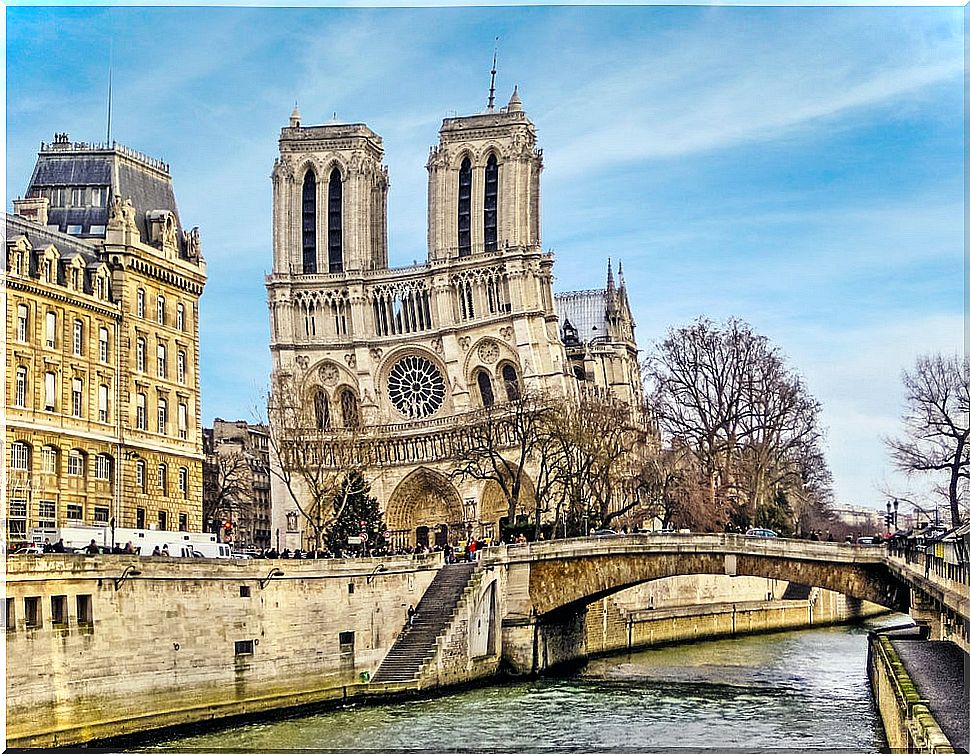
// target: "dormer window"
[[465, 208], [491, 203], [335, 254], [310, 223]]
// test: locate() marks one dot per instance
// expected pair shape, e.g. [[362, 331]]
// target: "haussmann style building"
[[102, 346], [408, 357]]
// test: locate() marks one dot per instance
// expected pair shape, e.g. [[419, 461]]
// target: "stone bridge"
[[547, 585]]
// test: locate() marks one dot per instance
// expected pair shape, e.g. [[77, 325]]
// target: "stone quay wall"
[[906, 718], [91, 656]]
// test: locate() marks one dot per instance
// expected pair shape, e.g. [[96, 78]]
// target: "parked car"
[[603, 532], [765, 533], [29, 550]]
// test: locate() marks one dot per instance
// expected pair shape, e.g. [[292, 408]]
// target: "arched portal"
[[424, 508], [494, 507]]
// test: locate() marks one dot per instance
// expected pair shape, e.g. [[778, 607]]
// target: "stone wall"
[[908, 722], [189, 640]]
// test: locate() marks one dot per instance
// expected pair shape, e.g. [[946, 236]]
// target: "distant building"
[[237, 482], [102, 346], [866, 521]]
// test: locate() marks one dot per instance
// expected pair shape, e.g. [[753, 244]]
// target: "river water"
[[793, 690]]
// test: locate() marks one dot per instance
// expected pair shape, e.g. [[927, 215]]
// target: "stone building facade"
[[102, 346], [237, 482], [406, 358]]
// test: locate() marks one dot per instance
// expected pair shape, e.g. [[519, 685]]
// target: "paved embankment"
[[939, 670]]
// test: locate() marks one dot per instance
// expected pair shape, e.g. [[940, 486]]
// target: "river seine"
[[795, 690]]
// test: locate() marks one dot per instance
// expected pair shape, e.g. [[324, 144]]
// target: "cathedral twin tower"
[[405, 352]]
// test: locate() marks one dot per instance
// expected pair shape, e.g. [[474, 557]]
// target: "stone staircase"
[[415, 647]]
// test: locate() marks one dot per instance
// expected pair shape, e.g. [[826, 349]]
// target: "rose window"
[[416, 387]]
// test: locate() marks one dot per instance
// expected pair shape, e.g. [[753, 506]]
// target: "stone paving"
[[941, 672]]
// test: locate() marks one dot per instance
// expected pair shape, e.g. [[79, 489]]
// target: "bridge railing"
[[932, 566], [722, 543]]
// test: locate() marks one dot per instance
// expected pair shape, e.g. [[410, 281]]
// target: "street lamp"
[[129, 571], [273, 573]]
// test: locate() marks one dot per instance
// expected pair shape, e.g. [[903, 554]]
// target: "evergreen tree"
[[355, 512]]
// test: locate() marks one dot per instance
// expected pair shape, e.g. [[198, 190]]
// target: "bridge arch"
[[565, 578]]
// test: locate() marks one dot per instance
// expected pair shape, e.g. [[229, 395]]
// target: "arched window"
[[22, 323], [20, 389], [511, 379], [349, 409], [335, 251], [491, 203], [77, 396], [321, 410], [465, 208], [184, 481], [20, 456], [141, 417], [75, 463], [140, 475], [103, 467], [485, 389], [78, 337], [163, 478], [309, 223], [48, 459]]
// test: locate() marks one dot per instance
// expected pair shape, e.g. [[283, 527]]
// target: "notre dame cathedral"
[[408, 356]]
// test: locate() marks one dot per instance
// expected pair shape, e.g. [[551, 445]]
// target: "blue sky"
[[800, 168]]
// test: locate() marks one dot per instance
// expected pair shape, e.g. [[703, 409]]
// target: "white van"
[[211, 550]]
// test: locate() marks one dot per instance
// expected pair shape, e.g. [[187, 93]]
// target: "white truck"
[[143, 541]]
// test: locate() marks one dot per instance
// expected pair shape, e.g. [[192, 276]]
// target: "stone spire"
[[515, 104], [610, 284], [295, 116]]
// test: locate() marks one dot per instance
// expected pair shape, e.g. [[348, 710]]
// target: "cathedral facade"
[[405, 358]]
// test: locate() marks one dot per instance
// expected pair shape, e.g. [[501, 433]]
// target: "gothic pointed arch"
[[494, 505], [335, 249], [490, 204], [510, 378], [486, 393], [321, 409], [424, 499], [349, 408], [464, 218], [308, 215]]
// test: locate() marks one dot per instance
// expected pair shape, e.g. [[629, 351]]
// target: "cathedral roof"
[[585, 310]]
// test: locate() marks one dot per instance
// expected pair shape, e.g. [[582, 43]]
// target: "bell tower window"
[[491, 204], [310, 223], [335, 251], [465, 208]]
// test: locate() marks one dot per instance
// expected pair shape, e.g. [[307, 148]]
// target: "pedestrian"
[[48, 547], [59, 545], [129, 550], [472, 545], [92, 548], [157, 551], [165, 552], [411, 613]]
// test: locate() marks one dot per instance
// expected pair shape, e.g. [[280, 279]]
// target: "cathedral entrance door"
[[441, 535], [421, 535]]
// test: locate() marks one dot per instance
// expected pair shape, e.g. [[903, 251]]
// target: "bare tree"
[[726, 393], [312, 459], [937, 425], [228, 485]]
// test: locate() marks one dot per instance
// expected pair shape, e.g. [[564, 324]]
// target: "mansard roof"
[[40, 236], [121, 171]]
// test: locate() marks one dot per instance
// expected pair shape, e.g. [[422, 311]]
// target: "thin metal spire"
[[110, 61], [491, 88]]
